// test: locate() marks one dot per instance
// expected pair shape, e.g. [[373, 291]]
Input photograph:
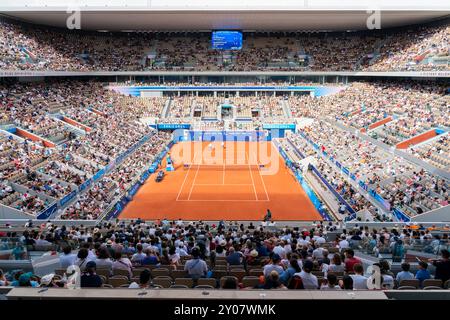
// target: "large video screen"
[[226, 40]]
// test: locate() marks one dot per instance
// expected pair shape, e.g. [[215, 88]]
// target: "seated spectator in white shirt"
[[181, 250], [309, 280], [279, 250], [343, 244], [404, 274], [359, 280], [67, 258]]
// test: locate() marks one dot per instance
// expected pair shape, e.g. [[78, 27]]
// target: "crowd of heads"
[[46, 173], [319, 256], [30, 47]]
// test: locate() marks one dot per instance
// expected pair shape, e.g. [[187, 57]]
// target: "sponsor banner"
[[286, 126], [99, 174], [345, 170], [173, 126], [47, 213], [312, 196], [380, 199], [67, 198], [115, 211], [336, 194], [85, 184], [400, 215], [363, 185], [144, 176], [153, 167], [338, 165], [134, 189]]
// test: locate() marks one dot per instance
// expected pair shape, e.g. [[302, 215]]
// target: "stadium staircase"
[[354, 184], [71, 128], [30, 57], [286, 109], [377, 48], [166, 109], [418, 162], [193, 109]]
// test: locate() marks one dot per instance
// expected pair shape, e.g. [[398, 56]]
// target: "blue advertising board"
[[285, 126], [67, 198], [85, 184], [134, 189], [47, 213], [172, 126]]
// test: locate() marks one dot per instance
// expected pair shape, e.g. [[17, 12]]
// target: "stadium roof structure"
[[246, 15]]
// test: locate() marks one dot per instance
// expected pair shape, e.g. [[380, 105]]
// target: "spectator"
[[336, 265], [89, 279], [292, 269], [346, 283], [82, 258], [309, 280], [359, 280], [3, 281], [122, 263], [442, 266], [139, 255], [144, 280], [331, 283], [234, 257], [274, 265], [230, 283], [196, 267], [423, 273], [273, 281], [350, 260], [103, 259], [405, 274], [151, 258], [67, 258]]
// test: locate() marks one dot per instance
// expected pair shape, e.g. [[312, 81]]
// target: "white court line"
[[193, 182], [228, 184], [209, 200], [223, 169], [251, 175], [185, 177], [264, 184]]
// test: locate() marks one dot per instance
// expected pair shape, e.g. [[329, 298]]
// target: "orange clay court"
[[212, 181]]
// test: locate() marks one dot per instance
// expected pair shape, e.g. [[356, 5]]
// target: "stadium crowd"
[[30, 47], [38, 174], [141, 255]]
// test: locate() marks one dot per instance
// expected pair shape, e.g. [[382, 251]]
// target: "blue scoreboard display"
[[226, 40]]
